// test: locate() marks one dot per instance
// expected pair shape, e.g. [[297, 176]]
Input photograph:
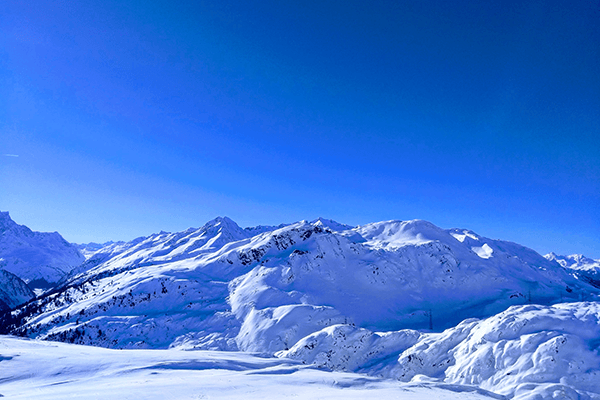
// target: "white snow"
[[577, 262], [462, 236], [484, 251], [526, 352], [217, 287], [57, 371], [385, 300]]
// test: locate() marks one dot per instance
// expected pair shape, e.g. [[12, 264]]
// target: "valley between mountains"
[[398, 302]]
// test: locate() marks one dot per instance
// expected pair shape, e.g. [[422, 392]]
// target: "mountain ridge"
[[405, 300], [385, 276]]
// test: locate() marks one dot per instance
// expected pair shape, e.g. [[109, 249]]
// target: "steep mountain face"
[[13, 291], [40, 259], [224, 287]]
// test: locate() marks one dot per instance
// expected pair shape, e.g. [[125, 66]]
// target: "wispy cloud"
[[10, 155]]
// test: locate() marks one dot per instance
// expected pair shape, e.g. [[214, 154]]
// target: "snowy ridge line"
[[416, 256], [585, 268], [393, 299]]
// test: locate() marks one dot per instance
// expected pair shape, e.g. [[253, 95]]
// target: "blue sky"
[[134, 117]]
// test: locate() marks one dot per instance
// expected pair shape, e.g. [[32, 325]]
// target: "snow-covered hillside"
[[40, 259], [525, 352], [367, 299], [222, 287]]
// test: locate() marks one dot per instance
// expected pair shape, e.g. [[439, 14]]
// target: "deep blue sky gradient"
[[134, 117]]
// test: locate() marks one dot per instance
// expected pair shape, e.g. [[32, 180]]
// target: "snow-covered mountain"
[[585, 267], [367, 299], [222, 287], [40, 259]]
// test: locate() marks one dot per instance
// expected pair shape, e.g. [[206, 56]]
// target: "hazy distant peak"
[[35, 256], [575, 261], [331, 224]]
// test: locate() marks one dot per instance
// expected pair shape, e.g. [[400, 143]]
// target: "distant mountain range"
[[367, 298], [586, 267], [264, 288]]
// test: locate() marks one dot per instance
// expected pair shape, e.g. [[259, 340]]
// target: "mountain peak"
[[221, 221], [35, 256], [5, 219], [575, 261], [331, 224]]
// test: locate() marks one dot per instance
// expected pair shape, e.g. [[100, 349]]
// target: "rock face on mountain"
[[13, 291], [40, 259]]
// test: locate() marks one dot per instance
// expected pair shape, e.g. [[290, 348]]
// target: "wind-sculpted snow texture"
[[40, 259], [50, 371], [341, 297], [525, 352]]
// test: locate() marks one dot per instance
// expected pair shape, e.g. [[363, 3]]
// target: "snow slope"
[[40, 259], [56, 371], [525, 352]]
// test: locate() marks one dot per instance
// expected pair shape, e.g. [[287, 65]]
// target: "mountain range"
[[396, 299]]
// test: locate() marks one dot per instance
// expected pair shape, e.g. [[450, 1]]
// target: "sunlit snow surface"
[[484, 251], [385, 300], [45, 370]]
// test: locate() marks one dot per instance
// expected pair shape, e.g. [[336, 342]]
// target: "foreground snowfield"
[[529, 352], [31, 369]]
